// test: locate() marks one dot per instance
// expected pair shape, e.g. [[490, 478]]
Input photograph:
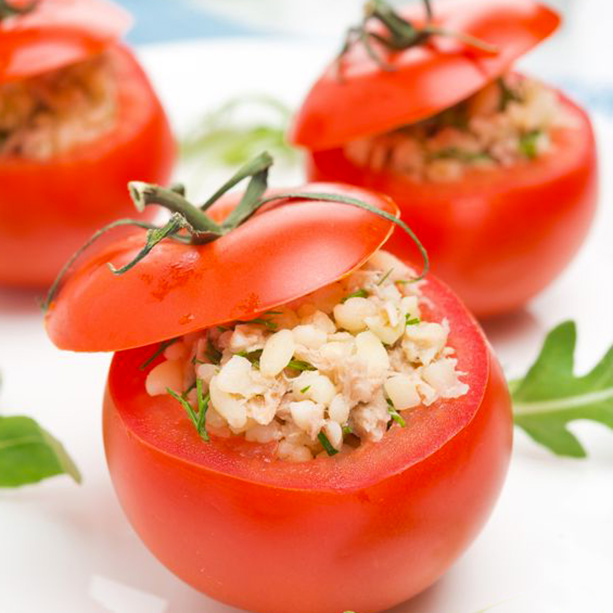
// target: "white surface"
[[547, 549]]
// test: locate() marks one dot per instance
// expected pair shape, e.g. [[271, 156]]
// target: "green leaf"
[[29, 454], [224, 137], [550, 396]]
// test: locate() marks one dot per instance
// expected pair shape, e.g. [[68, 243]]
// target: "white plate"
[[548, 547]]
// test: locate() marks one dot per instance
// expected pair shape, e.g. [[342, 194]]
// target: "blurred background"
[[583, 47]]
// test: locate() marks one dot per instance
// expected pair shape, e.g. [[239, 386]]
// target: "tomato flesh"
[[497, 236], [362, 531], [48, 209]]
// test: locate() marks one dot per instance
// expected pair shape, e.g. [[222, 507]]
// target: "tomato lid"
[[56, 33], [356, 97], [285, 251]]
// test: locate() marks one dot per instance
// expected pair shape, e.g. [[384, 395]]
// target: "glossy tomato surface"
[[50, 208], [285, 251], [496, 236], [361, 531]]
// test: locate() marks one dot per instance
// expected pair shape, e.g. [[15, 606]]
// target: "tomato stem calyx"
[[190, 223], [400, 34]]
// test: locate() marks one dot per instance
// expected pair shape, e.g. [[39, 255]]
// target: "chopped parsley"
[[360, 293], [383, 279], [528, 143], [262, 321], [198, 419], [158, 352], [252, 356], [412, 321], [300, 365], [394, 414]]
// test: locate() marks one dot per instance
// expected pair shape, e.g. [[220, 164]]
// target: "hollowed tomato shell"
[[57, 33], [362, 531], [497, 236], [361, 99], [49, 208]]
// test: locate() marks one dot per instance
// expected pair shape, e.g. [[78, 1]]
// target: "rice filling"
[[323, 374], [50, 114], [508, 121]]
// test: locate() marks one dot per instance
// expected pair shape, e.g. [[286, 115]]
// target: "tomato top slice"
[[161, 424], [282, 253], [57, 33], [364, 99]]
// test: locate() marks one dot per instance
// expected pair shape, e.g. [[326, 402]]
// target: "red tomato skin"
[[274, 549], [307, 244], [48, 209], [497, 237]]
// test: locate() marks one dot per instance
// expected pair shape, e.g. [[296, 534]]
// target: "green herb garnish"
[[304, 390], [261, 321], [383, 279], [453, 153], [212, 352], [193, 416], [252, 356], [29, 454], [158, 351], [394, 414], [203, 407], [360, 293], [528, 143], [412, 321], [326, 444], [300, 365], [347, 430], [550, 396], [223, 137]]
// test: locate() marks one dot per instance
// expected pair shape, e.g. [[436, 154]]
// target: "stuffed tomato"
[[317, 413], [78, 119], [494, 170]]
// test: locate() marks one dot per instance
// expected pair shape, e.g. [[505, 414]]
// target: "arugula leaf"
[[29, 454], [550, 396]]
